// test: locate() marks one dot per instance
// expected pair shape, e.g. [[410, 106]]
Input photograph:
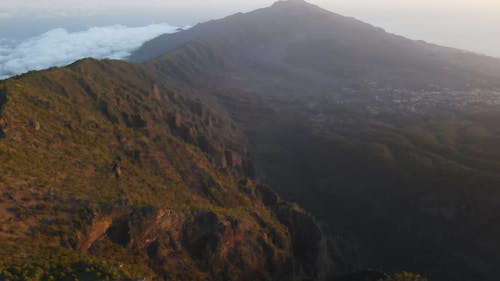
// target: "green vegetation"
[[104, 171], [71, 267]]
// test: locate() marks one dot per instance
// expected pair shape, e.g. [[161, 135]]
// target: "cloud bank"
[[59, 47]]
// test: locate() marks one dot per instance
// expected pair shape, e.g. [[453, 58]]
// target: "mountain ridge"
[[334, 45], [106, 171]]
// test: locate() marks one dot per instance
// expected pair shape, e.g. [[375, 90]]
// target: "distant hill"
[[301, 40]]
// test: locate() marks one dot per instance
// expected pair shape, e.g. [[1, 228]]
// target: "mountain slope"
[[392, 142], [108, 173], [298, 39]]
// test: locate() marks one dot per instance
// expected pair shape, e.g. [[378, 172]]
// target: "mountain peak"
[[292, 3]]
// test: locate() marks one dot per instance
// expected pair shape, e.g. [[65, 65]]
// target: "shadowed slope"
[[392, 141]]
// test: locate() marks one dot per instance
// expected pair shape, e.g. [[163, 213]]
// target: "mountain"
[[181, 164], [109, 174], [304, 42], [391, 142]]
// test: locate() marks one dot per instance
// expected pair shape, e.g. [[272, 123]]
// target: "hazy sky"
[[466, 24]]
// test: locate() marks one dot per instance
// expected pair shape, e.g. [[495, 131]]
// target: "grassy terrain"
[[105, 172]]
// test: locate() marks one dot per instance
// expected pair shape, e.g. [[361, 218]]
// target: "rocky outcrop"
[[312, 252], [205, 245], [193, 246], [2, 127]]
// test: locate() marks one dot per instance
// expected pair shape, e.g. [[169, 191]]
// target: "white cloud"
[[59, 47]]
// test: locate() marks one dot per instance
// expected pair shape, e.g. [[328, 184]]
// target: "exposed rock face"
[[2, 126], [312, 259], [207, 245], [117, 167]]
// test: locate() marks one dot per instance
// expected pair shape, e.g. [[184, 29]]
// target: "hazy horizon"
[[36, 35], [465, 24]]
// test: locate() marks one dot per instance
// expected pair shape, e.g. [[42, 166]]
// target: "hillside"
[[108, 173], [391, 142]]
